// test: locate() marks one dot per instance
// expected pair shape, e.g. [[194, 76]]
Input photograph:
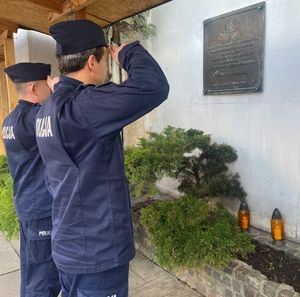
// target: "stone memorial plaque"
[[234, 51]]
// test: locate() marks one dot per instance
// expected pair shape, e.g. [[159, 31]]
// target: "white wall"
[[263, 127], [21, 46], [32, 46]]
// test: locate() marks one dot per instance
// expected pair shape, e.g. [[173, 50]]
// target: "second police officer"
[[39, 276]]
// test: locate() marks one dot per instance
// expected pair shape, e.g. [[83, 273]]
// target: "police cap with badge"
[[26, 72], [66, 36]]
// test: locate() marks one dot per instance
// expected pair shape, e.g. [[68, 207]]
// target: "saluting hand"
[[114, 52]]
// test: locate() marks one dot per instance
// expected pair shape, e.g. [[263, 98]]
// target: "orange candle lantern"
[[244, 216], [277, 226]]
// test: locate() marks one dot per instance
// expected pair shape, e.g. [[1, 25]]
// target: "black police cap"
[[76, 36], [25, 72]]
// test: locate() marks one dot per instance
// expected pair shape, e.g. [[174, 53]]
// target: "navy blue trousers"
[[39, 276], [109, 283]]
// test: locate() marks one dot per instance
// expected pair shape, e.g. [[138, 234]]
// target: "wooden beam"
[[100, 21], [80, 14], [1, 56], [54, 5], [3, 104], [9, 55], [68, 8], [8, 26], [4, 35], [3, 95]]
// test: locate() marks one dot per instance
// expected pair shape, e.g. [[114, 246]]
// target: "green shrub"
[[9, 223], [202, 174], [3, 165], [187, 232], [144, 178]]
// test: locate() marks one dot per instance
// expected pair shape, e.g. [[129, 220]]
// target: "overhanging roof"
[[40, 14]]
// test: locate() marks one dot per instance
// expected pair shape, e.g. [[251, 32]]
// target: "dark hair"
[[75, 62]]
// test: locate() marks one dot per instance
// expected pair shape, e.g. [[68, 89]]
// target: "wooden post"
[[80, 14], [69, 7], [9, 55], [3, 104]]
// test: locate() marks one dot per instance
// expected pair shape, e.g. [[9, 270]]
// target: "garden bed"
[[238, 278], [278, 265]]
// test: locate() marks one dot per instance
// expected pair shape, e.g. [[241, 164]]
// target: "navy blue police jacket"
[[32, 200], [78, 135]]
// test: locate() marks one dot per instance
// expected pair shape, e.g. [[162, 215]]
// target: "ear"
[[32, 87], [91, 63]]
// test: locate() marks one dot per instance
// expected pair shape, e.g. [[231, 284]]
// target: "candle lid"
[[276, 214], [244, 205]]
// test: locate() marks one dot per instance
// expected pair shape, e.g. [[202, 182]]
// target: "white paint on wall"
[[21, 46], [42, 50], [35, 47], [262, 127]]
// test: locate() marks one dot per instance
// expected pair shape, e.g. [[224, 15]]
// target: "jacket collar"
[[22, 101], [67, 82]]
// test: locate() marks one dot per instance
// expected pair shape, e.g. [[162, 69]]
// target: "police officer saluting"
[[78, 135], [39, 276]]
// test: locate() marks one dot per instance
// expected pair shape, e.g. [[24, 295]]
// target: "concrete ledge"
[[291, 248], [237, 280]]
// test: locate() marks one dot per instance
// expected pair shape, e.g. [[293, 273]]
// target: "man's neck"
[[26, 98], [78, 76]]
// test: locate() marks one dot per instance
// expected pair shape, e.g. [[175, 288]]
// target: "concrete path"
[[146, 279]]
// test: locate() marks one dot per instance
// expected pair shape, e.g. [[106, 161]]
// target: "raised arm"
[[110, 107]]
